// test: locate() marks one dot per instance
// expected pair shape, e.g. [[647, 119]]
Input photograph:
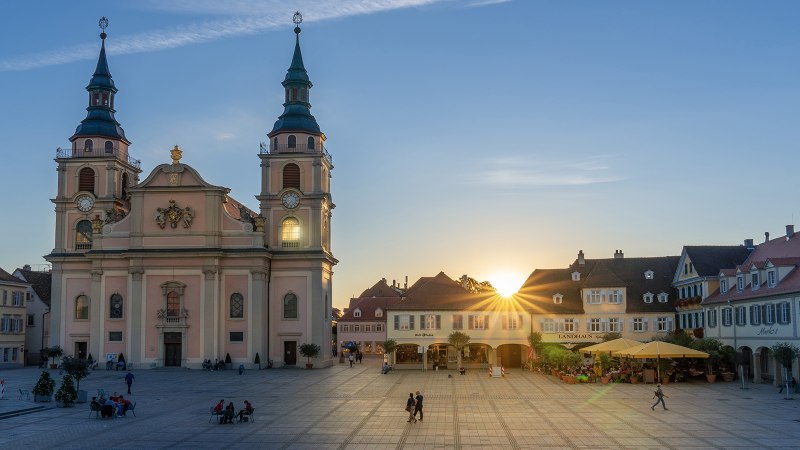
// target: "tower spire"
[[297, 108], [100, 119]]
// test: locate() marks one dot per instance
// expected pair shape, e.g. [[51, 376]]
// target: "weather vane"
[[297, 18], [103, 25]]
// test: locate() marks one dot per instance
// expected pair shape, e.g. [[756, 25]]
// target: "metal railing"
[[66, 153], [298, 148]]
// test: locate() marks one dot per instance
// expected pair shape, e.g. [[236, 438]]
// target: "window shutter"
[[588, 325], [621, 325], [423, 324], [587, 297], [471, 322], [669, 324], [486, 322], [438, 322], [411, 325], [396, 322], [504, 322], [520, 323], [644, 324], [541, 325]]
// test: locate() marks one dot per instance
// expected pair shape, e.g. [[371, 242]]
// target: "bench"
[[24, 393]]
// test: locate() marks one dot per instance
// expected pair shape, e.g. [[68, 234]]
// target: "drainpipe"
[[43, 344]]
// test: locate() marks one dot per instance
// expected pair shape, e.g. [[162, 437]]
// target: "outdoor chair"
[[214, 414], [131, 409], [24, 393], [101, 393], [250, 414], [94, 408]]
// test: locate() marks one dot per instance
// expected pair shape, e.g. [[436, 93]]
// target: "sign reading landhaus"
[[580, 336]]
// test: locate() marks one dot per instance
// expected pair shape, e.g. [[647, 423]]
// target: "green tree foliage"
[[67, 394], [76, 368], [610, 336], [45, 385], [784, 353], [309, 351], [458, 340]]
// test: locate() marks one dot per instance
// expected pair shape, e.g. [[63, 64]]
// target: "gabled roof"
[[442, 293], [709, 259], [380, 289], [536, 294], [368, 306], [7, 277], [40, 282]]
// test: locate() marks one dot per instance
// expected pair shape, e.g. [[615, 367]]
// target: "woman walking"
[[410, 407]]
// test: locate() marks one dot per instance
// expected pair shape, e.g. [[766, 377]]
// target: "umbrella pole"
[[658, 368]]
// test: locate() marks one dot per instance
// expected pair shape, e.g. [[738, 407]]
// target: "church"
[[167, 269]]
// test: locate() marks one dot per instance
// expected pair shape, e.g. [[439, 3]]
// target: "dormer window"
[[663, 297], [649, 275], [558, 299], [576, 276], [754, 283], [615, 296], [648, 297], [357, 313], [772, 278], [378, 312], [723, 285], [740, 283]]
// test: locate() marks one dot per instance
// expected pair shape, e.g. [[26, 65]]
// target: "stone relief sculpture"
[[174, 215]]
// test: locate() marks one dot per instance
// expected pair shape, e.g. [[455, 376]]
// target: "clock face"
[[290, 200], [84, 203]]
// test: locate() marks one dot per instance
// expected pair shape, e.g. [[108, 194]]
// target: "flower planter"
[[309, 366], [664, 380], [634, 380], [711, 377], [604, 380], [728, 376]]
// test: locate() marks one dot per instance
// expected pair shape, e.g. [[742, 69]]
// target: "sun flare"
[[507, 284]]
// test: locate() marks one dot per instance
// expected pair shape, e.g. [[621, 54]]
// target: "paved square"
[[358, 408]]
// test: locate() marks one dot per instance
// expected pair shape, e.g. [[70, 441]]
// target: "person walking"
[[350, 358], [660, 395], [241, 369], [129, 380], [418, 406], [410, 408]]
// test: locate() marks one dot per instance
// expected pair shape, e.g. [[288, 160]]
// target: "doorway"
[[172, 349], [510, 355], [80, 350], [290, 353]]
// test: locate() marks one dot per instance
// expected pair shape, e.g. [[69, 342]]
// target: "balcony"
[[67, 153], [171, 320], [299, 148]]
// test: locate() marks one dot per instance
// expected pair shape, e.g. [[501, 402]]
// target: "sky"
[[479, 137]]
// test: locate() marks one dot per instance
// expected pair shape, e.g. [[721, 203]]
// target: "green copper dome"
[[297, 109]]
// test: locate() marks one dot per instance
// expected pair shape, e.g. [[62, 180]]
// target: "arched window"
[[291, 176], [115, 307], [290, 233], [124, 183], [86, 180], [83, 235], [109, 147], [311, 143], [88, 145], [290, 306], [82, 308], [237, 306], [173, 304], [292, 141], [275, 145], [357, 313]]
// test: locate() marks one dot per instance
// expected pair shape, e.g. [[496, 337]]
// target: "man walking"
[[129, 380], [350, 358], [660, 395], [418, 407]]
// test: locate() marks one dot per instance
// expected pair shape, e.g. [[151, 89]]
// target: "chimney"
[[766, 236], [581, 259], [383, 280], [405, 286], [748, 244], [394, 282], [618, 254], [26, 267], [789, 231]]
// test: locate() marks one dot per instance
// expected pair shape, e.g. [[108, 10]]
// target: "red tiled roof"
[[40, 282]]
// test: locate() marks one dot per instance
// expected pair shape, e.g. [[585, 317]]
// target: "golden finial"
[[176, 153]]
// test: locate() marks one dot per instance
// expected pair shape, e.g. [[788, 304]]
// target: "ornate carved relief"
[[174, 215]]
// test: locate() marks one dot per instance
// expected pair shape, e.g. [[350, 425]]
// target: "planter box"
[[309, 366], [711, 377], [82, 396], [728, 376]]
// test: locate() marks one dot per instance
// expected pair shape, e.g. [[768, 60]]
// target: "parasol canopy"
[[660, 349], [610, 346]]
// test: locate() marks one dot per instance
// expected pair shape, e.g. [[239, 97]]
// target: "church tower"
[[94, 175], [296, 202]]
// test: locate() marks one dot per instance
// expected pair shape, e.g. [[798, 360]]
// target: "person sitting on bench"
[[461, 370]]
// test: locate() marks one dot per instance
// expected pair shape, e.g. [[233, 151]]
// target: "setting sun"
[[507, 284]]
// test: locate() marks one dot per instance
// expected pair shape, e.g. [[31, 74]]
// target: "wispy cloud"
[[249, 17], [516, 173], [479, 3]]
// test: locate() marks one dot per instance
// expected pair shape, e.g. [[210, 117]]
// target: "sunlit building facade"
[[363, 324]]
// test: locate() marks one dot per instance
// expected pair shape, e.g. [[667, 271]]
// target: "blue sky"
[[486, 138]]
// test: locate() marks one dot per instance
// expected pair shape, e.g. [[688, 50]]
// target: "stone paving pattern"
[[358, 408]]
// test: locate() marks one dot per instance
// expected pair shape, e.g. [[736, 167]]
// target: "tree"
[[76, 368], [336, 313], [712, 347], [44, 386], [458, 340], [55, 352], [309, 351], [389, 346], [535, 341], [785, 353], [66, 394], [257, 361], [474, 286]]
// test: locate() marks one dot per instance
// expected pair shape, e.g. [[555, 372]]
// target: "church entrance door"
[[290, 353], [172, 349]]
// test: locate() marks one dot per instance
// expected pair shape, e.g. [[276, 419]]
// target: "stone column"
[[211, 331], [135, 308], [96, 315], [56, 307], [757, 367], [256, 312]]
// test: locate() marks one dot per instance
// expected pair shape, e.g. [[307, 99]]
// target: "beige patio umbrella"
[[658, 350], [610, 346]]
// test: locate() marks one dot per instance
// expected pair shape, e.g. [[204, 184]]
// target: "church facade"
[[168, 270]]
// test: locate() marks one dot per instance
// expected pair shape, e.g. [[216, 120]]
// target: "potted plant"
[[77, 369], [309, 351], [712, 347], [605, 366], [43, 391], [458, 340], [54, 352], [389, 346], [785, 353], [66, 394]]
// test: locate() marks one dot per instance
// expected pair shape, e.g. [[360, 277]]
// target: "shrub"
[[66, 394], [45, 385]]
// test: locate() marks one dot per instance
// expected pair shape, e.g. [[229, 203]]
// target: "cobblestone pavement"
[[358, 408]]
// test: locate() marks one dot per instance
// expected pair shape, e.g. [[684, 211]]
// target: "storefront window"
[[407, 354]]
